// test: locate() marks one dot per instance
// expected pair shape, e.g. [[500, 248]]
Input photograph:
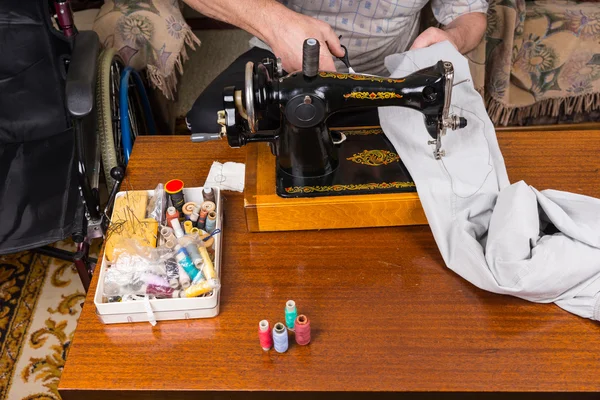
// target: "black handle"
[[118, 174]]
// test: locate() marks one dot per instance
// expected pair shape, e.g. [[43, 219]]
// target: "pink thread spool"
[[302, 330], [264, 335]]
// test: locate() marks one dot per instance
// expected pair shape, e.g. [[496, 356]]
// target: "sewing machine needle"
[[463, 81]]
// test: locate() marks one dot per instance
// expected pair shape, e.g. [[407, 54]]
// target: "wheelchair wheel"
[[107, 92], [136, 114], [123, 111]]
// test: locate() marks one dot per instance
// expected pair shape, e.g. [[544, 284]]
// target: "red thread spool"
[[171, 214], [264, 335], [302, 330]]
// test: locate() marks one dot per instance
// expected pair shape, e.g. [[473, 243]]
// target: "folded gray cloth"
[[490, 232]]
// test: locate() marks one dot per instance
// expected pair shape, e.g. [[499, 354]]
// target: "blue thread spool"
[[280, 338], [211, 222], [290, 314], [184, 260]]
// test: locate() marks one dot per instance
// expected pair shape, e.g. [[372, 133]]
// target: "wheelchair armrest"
[[81, 77]]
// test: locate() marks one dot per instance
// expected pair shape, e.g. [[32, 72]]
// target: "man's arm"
[[465, 33], [281, 28]]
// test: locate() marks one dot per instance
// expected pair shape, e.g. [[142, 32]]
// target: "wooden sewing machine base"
[[266, 211]]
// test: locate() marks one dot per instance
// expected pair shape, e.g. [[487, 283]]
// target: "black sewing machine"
[[313, 160]]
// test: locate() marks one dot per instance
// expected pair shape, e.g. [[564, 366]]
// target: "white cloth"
[[228, 176], [488, 231]]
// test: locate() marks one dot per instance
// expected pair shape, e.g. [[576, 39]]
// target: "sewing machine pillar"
[[306, 152]]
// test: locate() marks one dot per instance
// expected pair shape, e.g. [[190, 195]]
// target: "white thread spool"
[[280, 338]]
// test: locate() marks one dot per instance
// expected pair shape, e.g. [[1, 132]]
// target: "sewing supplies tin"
[[170, 308]]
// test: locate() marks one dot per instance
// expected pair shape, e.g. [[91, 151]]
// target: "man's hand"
[[432, 36], [288, 35], [465, 33], [281, 28]]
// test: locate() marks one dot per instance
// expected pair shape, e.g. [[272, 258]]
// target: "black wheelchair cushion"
[[38, 183]]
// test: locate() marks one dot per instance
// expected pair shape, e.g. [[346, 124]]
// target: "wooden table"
[[387, 315]]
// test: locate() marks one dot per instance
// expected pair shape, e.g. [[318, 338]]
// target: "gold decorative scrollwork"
[[363, 132], [357, 77], [341, 188], [374, 158], [372, 95]]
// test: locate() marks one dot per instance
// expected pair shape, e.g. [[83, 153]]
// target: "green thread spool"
[[290, 314]]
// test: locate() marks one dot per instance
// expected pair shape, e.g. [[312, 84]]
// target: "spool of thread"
[[290, 314], [280, 338], [183, 259], [194, 218], [211, 222], [302, 330], [188, 209], [172, 270], [159, 291], [171, 214], [208, 194], [177, 230], [174, 189], [208, 206], [198, 289], [208, 269], [166, 232], [264, 335], [202, 219], [184, 279], [192, 250], [170, 244], [187, 227], [196, 231]]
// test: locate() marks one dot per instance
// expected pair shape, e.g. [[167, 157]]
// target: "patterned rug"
[[40, 302]]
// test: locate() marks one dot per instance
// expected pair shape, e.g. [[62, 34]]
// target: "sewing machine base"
[[368, 164], [396, 203]]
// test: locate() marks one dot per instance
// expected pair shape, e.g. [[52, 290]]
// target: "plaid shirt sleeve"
[[446, 11]]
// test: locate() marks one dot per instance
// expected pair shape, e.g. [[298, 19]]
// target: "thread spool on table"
[[280, 338], [290, 314], [264, 335], [302, 330]]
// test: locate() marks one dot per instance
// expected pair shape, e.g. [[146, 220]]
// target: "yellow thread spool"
[[207, 268], [198, 289], [187, 227]]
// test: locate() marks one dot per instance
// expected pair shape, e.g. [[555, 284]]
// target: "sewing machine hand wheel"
[[249, 97]]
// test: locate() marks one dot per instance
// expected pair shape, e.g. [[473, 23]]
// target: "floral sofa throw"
[[149, 34], [541, 57]]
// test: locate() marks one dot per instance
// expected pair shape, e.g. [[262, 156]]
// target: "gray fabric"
[[488, 231]]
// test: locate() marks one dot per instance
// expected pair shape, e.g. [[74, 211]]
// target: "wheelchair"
[[68, 111]]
